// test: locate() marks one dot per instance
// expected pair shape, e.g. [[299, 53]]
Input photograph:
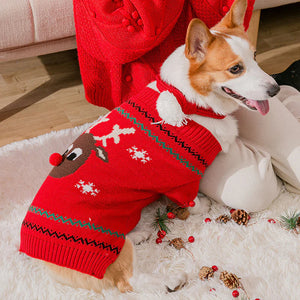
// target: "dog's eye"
[[236, 69]]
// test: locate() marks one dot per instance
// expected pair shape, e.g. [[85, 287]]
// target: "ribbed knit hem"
[[90, 262]]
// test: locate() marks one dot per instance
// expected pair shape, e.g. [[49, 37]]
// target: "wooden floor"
[[42, 94]]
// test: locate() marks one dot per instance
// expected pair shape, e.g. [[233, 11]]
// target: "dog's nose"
[[273, 90]]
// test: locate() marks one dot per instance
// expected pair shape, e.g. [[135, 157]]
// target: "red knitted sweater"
[[94, 197], [122, 43]]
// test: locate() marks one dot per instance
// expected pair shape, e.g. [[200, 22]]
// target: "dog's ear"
[[235, 16], [197, 40]]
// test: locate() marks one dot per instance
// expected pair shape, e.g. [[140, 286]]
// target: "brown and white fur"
[[212, 69]]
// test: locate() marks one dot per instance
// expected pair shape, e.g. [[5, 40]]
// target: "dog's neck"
[[187, 107], [175, 70]]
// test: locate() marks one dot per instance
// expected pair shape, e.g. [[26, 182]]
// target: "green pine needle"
[[289, 221], [160, 221]]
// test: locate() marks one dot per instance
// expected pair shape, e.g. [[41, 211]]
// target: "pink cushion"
[[52, 19], [16, 27], [25, 22]]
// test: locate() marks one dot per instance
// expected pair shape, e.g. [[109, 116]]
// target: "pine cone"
[[182, 213], [206, 273], [230, 280], [240, 217], [223, 219], [177, 243]]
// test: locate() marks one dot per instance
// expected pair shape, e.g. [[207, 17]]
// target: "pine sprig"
[[160, 221], [290, 220]]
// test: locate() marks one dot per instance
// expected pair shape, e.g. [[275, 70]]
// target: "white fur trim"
[[153, 85]]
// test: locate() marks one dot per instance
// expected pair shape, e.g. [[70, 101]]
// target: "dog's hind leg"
[[122, 269], [117, 274]]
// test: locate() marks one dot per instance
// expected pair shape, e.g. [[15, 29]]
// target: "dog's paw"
[[202, 206], [138, 236], [169, 110], [124, 286]]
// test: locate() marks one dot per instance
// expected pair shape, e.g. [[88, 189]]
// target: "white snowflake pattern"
[[87, 188], [137, 154]]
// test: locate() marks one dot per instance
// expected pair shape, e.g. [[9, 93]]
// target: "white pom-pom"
[[169, 110]]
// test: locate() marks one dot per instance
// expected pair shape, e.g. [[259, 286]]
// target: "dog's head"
[[222, 62]]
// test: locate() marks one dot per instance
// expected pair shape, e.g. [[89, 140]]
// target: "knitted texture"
[[122, 44], [125, 161]]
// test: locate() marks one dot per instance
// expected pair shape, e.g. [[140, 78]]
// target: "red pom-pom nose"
[[55, 159]]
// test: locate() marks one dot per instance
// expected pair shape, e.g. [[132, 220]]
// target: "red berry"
[[161, 234], [207, 220], [191, 239], [232, 210], [215, 268], [257, 299], [249, 217], [212, 289], [171, 215], [158, 241], [55, 159], [271, 221], [235, 293], [192, 203]]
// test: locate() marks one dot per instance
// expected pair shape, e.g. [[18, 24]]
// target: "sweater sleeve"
[[182, 195], [123, 31]]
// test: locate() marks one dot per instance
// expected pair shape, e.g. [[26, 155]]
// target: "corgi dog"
[[214, 69]]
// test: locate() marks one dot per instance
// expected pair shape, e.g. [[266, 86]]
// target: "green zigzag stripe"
[[156, 139], [69, 221]]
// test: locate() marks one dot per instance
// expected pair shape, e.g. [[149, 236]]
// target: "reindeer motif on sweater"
[[94, 195]]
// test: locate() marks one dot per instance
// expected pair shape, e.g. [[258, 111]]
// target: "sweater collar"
[[187, 107]]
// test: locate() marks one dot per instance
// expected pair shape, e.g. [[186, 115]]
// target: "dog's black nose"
[[273, 90]]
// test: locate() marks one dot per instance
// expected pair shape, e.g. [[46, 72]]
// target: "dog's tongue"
[[262, 106]]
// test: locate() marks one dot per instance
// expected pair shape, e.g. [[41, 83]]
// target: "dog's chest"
[[224, 130]]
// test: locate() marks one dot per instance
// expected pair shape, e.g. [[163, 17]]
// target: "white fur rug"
[[265, 256]]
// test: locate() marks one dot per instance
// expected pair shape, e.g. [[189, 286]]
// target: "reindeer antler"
[[115, 134]]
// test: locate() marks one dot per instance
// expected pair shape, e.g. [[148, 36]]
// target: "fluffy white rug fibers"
[[264, 255]]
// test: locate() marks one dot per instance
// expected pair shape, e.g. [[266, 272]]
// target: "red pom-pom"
[[55, 159], [235, 293], [192, 203], [158, 241], [171, 215], [215, 268], [191, 239]]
